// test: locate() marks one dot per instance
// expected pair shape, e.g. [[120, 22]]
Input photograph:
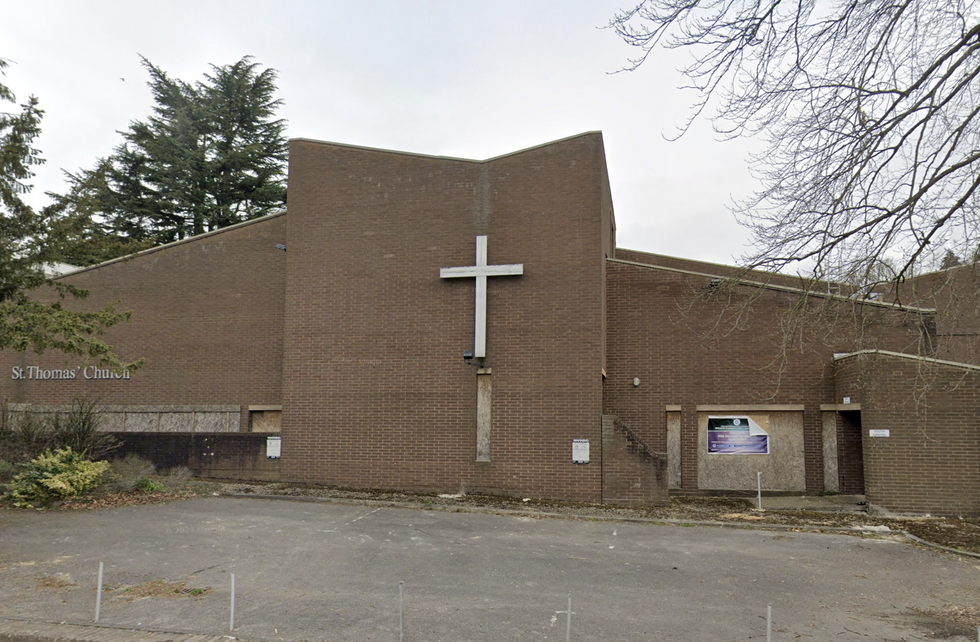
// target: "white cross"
[[481, 271]]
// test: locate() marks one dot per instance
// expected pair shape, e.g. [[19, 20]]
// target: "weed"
[[150, 486]]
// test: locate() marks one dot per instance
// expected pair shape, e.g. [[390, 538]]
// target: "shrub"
[[56, 475], [30, 436], [129, 473], [7, 471], [78, 429], [179, 476], [33, 433]]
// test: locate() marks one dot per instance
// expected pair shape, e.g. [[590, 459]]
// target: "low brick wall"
[[238, 456]]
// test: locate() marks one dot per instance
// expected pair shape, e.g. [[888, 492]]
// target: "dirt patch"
[[949, 621], [159, 588], [961, 534], [56, 582], [136, 497]]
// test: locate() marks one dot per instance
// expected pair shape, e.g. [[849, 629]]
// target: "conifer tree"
[[212, 154], [29, 241]]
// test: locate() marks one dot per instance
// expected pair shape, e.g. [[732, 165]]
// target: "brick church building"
[[439, 324]]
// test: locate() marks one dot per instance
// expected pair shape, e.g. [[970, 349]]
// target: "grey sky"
[[467, 79]]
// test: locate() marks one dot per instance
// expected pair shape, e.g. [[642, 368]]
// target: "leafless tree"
[[869, 110]]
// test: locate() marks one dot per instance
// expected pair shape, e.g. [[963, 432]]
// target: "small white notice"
[[580, 451], [880, 432], [273, 447]]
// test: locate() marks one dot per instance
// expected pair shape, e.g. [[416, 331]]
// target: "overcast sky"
[[444, 77]]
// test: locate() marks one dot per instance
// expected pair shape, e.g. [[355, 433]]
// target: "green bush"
[[55, 475]]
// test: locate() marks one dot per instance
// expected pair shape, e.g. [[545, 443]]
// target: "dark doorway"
[[850, 452]]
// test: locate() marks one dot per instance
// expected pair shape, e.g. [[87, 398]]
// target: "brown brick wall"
[[631, 473], [955, 294], [930, 463], [207, 319], [376, 390], [689, 350]]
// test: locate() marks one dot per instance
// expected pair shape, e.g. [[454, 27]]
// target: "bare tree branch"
[[869, 111]]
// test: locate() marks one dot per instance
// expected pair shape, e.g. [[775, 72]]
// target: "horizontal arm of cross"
[[514, 269]]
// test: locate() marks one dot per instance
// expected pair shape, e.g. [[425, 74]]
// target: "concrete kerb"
[[605, 518]]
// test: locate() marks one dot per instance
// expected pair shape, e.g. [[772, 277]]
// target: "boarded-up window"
[[265, 420]]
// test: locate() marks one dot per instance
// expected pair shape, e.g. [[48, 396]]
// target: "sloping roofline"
[[189, 239], [776, 287], [903, 355], [450, 158]]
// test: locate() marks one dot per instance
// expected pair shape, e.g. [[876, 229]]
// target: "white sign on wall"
[[580, 451], [880, 432], [273, 447]]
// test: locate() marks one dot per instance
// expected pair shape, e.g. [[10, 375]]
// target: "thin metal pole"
[[231, 621], [758, 479], [401, 612], [98, 594], [568, 620], [769, 623]]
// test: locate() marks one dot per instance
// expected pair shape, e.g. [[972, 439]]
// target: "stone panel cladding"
[[929, 462], [136, 418], [207, 320], [377, 393], [691, 344]]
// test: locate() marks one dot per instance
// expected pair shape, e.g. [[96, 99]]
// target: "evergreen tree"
[[28, 242], [950, 260], [211, 155]]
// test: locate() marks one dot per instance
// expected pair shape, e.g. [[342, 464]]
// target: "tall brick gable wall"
[[929, 462], [207, 320], [376, 390], [688, 350]]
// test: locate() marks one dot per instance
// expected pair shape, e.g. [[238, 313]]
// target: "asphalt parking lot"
[[325, 571]]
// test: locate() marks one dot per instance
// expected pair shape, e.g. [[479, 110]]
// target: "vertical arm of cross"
[[480, 326]]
